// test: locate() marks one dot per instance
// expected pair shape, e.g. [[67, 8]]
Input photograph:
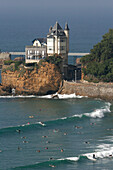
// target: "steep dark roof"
[[57, 27], [41, 40], [56, 30]]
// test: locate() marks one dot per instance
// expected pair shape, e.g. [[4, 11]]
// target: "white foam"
[[100, 154], [98, 113], [41, 123], [61, 96], [93, 156], [19, 96], [70, 158]]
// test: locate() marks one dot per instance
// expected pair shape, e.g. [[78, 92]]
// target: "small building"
[[37, 51]]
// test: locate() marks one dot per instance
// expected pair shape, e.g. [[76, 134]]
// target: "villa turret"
[[58, 42]]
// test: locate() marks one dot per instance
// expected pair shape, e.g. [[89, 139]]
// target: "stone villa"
[[57, 42]]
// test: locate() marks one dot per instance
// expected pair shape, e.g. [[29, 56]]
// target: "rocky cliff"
[[27, 81], [94, 90]]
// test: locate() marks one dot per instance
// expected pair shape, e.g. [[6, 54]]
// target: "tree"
[[99, 63]]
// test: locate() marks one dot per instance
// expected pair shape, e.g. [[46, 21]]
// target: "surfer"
[[53, 166], [41, 123], [94, 156], [46, 148], [18, 130], [87, 142]]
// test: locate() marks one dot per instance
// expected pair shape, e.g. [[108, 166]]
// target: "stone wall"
[[94, 90]]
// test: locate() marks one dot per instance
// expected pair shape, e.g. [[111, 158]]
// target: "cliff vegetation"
[[98, 65]]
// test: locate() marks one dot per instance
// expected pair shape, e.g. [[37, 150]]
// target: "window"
[[62, 48], [62, 40]]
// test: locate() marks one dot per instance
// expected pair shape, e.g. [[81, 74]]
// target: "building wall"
[[34, 54], [50, 46], [67, 40]]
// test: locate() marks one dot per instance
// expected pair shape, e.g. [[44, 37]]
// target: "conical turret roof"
[[57, 27], [66, 26]]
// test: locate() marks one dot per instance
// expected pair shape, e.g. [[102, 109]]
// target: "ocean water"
[[34, 130]]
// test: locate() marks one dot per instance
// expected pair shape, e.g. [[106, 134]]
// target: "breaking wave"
[[95, 156], [98, 113]]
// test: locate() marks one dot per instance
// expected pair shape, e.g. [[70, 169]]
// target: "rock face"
[[94, 90], [3, 57], [26, 81]]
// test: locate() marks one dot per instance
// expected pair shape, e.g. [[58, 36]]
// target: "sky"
[[56, 8], [26, 19]]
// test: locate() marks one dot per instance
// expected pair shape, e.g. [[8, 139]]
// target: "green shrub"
[[8, 62], [55, 59]]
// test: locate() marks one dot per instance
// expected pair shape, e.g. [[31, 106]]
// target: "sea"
[[71, 132]]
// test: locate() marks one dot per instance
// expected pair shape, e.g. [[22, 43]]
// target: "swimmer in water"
[[19, 148], [50, 158], [38, 151], [24, 137], [62, 150], [44, 136], [25, 141], [53, 166], [78, 127], [55, 130]]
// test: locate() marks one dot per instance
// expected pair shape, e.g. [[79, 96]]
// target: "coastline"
[[100, 90]]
